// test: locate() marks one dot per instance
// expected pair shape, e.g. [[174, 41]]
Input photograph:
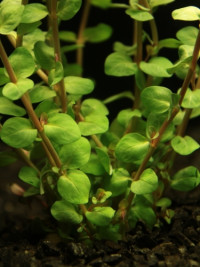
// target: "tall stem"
[[80, 39], [57, 52], [29, 108]]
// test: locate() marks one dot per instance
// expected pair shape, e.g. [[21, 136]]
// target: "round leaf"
[[67, 9], [156, 99], [132, 148], [147, 183], [187, 35], [63, 211], [7, 107], [99, 33], [15, 91], [189, 13], [191, 99], [62, 129], [74, 187], [186, 179], [184, 145], [75, 154], [26, 66], [94, 124], [100, 216], [40, 93], [10, 15], [78, 85], [29, 176], [118, 183], [139, 15], [93, 106], [44, 55], [119, 64], [33, 13], [154, 3], [157, 67], [18, 132]]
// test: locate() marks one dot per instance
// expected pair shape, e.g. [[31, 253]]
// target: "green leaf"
[[145, 214], [40, 93], [120, 47], [47, 106], [164, 202], [10, 15], [62, 129], [29, 176], [98, 33], [14, 91], [187, 35], [67, 9], [189, 13], [56, 74], [191, 99], [139, 15], [3, 78], [119, 64], [157, 67], [184, 145], [25, 28], [7, 107], [140, 79], [154, 123], [93, 124], [27, 64], [154, 3], [156, 99], [125, 115], [18, 132], [104, 159], [186, 179], [7, 158], [74, 187], [44, 55], [132, 148], [76, 154], [93, 166], [100, 216], [93, 106], [33, 13], [147, 183], [169, 43], [63, 211], [67, 36], [33, 37], [78, 85], [102, 4], [119, 181]]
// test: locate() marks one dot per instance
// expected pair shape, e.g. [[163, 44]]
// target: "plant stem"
[[26, 159], [57, 52], [80, 39], [29, 108], [191, 69], [155, 142]]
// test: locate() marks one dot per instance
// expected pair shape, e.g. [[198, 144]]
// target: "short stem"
[[57, 52], [80, 39]]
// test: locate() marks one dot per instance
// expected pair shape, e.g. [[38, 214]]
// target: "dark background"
[[95, 54]]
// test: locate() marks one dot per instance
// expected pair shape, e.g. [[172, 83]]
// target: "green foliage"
[[18, 132], [98, 172], [74, 187]]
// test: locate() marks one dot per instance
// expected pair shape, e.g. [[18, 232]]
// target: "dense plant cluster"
[[98, 178]]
